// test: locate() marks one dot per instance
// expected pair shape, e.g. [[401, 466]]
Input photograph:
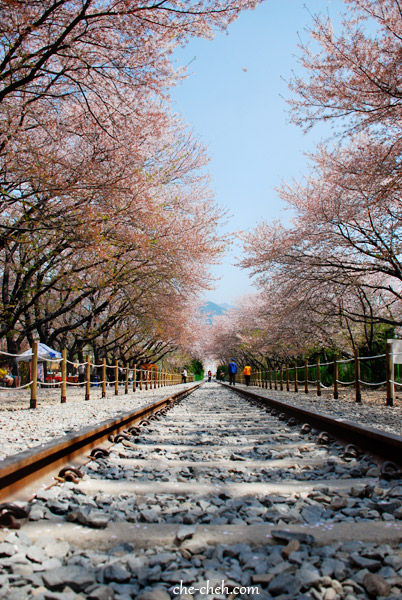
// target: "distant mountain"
[[226, 306], [211, 310]]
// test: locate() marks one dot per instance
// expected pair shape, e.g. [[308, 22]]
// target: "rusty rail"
[[379, 443], [21, 469]]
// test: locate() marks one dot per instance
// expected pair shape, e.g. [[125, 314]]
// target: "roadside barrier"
[[335, 373], [127, 378]]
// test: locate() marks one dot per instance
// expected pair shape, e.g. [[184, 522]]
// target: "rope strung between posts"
[[321, 364], [371, 357], [75, 364], [367, 383], [345, 382], [15, 389]]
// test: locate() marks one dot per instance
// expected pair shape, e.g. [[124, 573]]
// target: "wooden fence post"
[[336, 377], [146, 379], [141, 379], [34, 384], [135, 377], [88, 378], [275, 380], [270, 379], [306, 377], [126, 381], [116, 378], [357, 377], [287, 379], [389, 368], [104, 378], [296, 382], [318, 377], [63, 398]]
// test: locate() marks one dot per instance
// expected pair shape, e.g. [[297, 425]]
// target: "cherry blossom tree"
[[337, 266], [346, 231], [354, 74], [112, 215], [107, 221]]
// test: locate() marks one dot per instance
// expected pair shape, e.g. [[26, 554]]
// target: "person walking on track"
[[247, 374], [232, 369]]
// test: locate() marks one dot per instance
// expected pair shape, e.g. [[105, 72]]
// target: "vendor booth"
[[45, 354]]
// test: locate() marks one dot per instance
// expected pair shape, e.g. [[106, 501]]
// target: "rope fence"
[[357, 371], [130, 378]]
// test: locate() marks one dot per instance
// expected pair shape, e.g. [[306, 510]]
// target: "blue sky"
[[234, 101]]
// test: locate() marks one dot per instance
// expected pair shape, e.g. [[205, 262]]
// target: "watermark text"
[[214, 588]]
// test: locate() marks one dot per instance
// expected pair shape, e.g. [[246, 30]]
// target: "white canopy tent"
[[44, 353]]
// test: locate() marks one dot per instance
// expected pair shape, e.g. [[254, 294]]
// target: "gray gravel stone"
[[184, 533], [284, 584], [36, 554], [7, 549], [93, 518], [332, 566], [77, 578], [36, 513], [307, 576], [286, 536], [101, 592], [154, 594], [365, 563], [116, 572]]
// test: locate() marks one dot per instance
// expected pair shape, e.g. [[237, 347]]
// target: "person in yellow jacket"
[[247, 374]]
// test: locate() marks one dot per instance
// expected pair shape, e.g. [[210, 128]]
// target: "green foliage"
[[196, 367]]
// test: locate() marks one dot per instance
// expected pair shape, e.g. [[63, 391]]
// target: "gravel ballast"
[[22, 428], [371, 412], [216, 490]]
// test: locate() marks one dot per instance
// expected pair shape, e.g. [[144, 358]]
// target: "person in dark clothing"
[[232, 370], [81, 372]]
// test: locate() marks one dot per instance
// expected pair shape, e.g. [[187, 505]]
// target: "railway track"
[[219, 495]]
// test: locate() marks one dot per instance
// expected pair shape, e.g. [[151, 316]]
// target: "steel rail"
[[379, 443], [19, 470]]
